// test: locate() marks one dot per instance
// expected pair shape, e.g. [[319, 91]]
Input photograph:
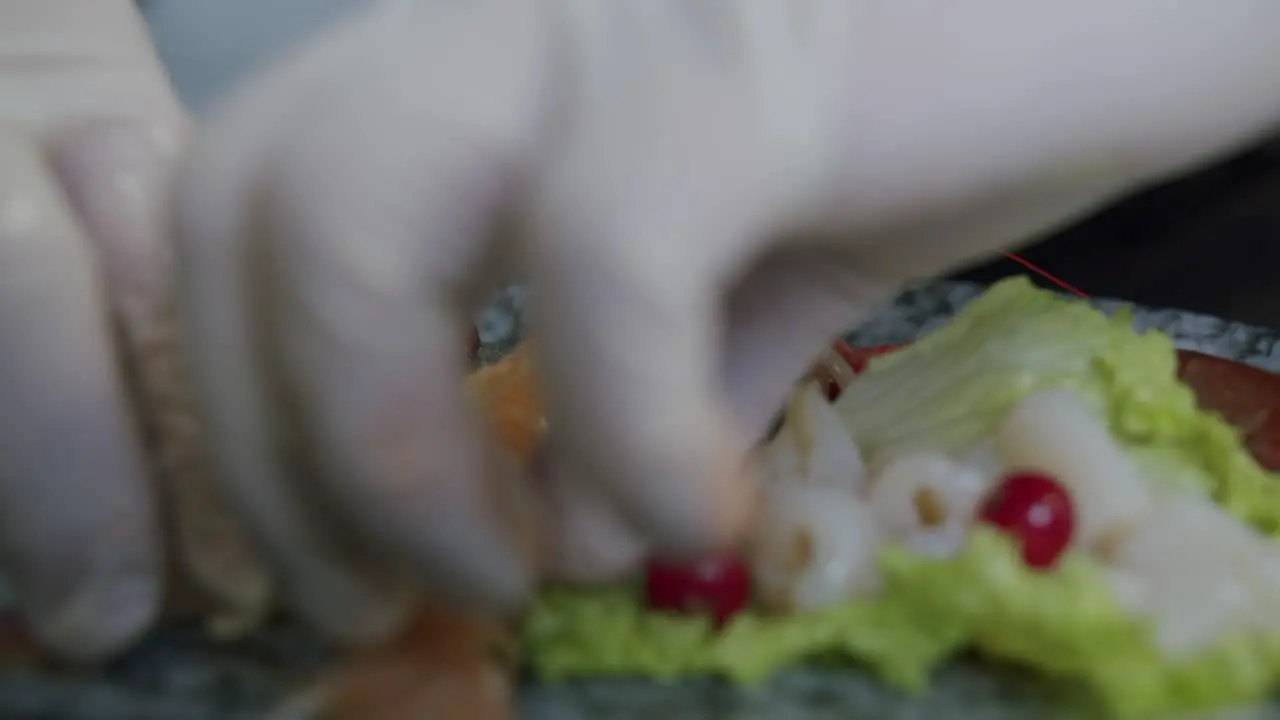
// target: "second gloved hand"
[[701, 194], [88, 131]]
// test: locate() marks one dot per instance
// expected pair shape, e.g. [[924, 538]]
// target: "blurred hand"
[[701, 194], [88, 130]]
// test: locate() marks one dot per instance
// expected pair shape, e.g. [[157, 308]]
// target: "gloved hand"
[[88, 132], [701, 195]]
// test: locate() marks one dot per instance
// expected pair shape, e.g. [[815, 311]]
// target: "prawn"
[[445, 665]]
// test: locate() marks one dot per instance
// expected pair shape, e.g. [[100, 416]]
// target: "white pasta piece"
[[927, 501], [812, 447], [1203, 570], [1131, 590], [1052, 431], [815, 547]]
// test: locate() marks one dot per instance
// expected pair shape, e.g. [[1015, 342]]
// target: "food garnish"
[[1036, 511], [716, 587]]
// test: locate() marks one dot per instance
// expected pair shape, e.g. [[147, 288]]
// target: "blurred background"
[[1205, 243]]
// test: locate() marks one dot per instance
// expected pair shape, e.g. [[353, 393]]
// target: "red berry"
[[1037, 511], [718, 587]]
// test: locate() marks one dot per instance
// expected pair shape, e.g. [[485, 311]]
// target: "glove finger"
[[77, 525], [219, 237], [356, 352], [628, 291], [589, 540], [367, 341], [782, 315], [115, 175], [635, 402]]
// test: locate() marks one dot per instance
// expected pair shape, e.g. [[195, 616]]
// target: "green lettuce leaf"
[[573, 633], [946, 392]]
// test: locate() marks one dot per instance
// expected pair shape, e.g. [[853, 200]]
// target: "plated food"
[[1034, 482]]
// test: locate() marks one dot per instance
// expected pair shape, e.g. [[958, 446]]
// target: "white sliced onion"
[[1131, 590], [815, 546], [927, 501], [1203, 570], [1052, 431], [812, 447]]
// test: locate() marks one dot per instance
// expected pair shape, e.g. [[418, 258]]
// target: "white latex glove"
[[88, 132], [702, 193]]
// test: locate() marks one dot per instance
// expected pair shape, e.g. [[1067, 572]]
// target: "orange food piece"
[[445, 665], [508, 396]]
